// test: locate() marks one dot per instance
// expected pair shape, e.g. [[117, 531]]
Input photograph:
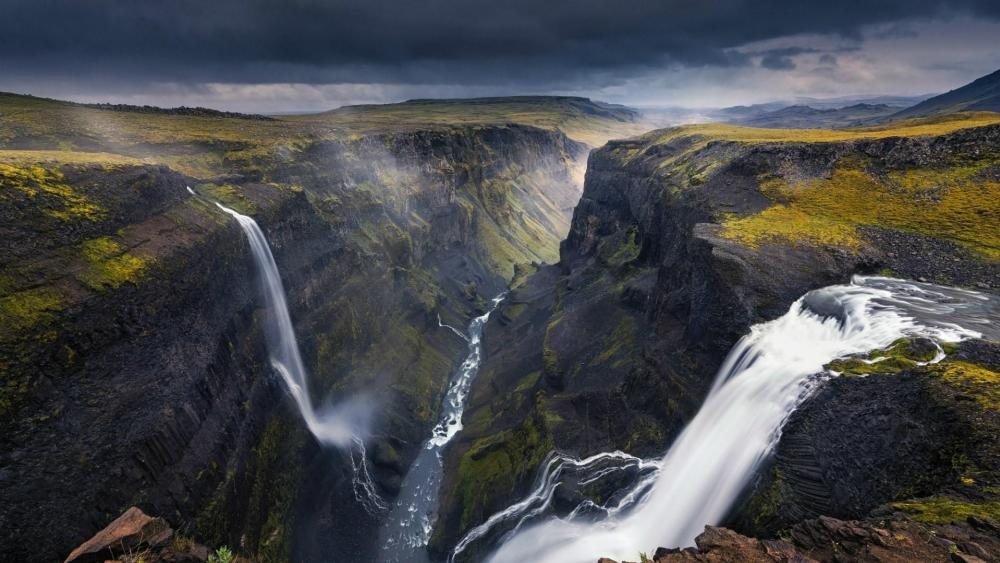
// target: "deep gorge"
[[138, 372]]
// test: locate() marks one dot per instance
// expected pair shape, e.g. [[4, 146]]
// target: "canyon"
[[138, 372]]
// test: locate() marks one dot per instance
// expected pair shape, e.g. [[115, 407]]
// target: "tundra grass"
[[939, 202]]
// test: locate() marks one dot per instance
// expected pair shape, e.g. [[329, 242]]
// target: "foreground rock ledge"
[[829, 539], [136, 531]]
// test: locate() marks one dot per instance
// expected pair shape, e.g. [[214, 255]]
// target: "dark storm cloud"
[[781, 59], [469, 42]]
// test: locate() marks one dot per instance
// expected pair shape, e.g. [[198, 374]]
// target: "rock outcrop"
[[131, 531], [829, 539]]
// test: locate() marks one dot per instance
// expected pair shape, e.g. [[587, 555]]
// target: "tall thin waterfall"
[[339, 426], [769, 373]]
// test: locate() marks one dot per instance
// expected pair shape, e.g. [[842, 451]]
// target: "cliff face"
[[135, 371], [682, 239]]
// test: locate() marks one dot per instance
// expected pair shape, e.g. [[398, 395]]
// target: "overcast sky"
[[292, 55]]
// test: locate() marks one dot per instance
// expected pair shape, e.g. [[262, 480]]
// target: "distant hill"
[[581, 119], [844, 101], [805, 117], [982, 94], [8, 97]]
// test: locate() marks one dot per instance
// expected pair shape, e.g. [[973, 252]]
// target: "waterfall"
[[339, 426], [769, 373], [408, 527]]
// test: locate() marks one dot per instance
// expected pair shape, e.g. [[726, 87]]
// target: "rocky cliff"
[[682, 239], [134, 367]]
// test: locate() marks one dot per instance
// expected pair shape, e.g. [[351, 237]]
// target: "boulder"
[[132, 530]]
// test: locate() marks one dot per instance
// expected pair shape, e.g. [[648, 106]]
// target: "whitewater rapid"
[[341, 425], [408, 527], [769, 373]]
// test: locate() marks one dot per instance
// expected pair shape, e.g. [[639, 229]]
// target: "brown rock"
[[718, 545], [131, 530], [196, 553]]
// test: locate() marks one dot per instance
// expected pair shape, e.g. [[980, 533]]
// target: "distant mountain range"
[[806, 117], [982, 94]]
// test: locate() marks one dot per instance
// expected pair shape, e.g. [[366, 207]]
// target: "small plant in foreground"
[[221, 555]]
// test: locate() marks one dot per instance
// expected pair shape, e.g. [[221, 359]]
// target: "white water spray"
[[765, 377], [339, 426]]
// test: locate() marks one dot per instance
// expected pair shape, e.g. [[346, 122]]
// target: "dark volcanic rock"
[[862, 442]]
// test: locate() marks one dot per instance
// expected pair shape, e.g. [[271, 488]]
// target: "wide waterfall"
[[408, 528], [769, 373], [340, 426]]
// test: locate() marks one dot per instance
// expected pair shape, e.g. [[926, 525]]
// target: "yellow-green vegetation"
[[908, 128], [426, 368], [550, 359], [23, 310], [58, 158], [571, 116], [56, 198], [766, 504], [972, 379], [943, 201], [900, 355], [202, 146], [495, 465], [276, 475], [109, 265], [945, 510], [216, 518], [621, 248], [780, 223], [620, 340], [221, 555], [228, 195]]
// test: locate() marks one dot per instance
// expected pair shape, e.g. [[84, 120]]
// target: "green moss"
[[946, 510], [901, 355], [972, 379], [230, 196], [276, 475], [51, 193], [24, 310], [621, 340], [766, 505], [947, 202], [216, 519], [528, 382], [550, 359], [514, 310], [404, 348], [495, 466], [621, 248], [109, 265]]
